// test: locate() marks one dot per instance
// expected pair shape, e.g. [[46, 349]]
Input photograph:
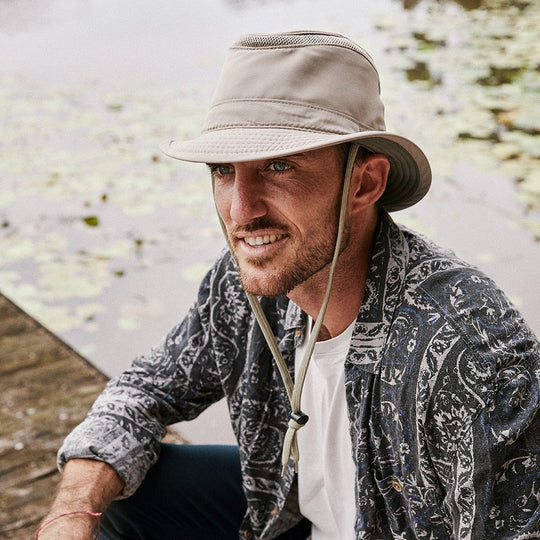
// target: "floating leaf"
[[128, 324], [91, 221], [195, 272]]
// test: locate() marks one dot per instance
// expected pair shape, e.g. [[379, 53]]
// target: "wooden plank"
[[46, 388]]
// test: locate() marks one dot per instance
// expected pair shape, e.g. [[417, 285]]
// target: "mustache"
[[258, 224]]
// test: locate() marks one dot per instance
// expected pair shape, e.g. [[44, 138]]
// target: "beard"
[[263, 276]]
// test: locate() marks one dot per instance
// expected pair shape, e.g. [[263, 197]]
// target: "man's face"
[[281, 216]]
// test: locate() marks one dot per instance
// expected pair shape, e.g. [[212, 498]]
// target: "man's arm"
[[174, 382], [86, 486]]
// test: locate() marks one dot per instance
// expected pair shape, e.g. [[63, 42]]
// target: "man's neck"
[[343, 305], [348, 286]]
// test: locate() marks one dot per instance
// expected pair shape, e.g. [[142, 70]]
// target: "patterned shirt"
[[442, 385]]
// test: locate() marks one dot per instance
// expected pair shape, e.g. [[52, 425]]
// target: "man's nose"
[[247, 202]]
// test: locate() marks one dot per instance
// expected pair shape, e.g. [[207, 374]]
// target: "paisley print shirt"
[[442, 386]]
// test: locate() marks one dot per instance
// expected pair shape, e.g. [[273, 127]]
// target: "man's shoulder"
[[440, 275], [442, 286], [422, 251]]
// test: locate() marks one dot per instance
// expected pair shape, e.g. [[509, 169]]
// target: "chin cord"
[[298, 419]]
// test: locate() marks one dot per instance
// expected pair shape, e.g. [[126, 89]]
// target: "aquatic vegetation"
[[88, 204], [476, 79]]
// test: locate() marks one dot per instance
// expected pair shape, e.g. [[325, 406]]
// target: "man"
[[378, 386]]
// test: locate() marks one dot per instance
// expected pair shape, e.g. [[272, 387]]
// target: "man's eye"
[[279, 166], [222, 170]]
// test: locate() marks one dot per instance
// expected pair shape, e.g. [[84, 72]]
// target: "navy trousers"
[[192, 493]]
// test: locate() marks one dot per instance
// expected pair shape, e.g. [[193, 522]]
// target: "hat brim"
[[409, 178]]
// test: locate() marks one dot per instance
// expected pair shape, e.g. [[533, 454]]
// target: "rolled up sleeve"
[[174, 382]]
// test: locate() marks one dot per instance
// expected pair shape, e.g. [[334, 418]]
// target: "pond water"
[[104, 240]]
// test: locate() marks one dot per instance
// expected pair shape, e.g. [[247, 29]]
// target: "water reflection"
[[16, 15], [105, 240]]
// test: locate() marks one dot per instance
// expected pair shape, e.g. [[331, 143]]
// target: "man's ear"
[[368, 181]]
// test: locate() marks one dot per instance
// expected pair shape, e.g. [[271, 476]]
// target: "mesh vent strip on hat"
[[300, 39]]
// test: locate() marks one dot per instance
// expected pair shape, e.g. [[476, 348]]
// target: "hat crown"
[[310, 81], [281, 94]]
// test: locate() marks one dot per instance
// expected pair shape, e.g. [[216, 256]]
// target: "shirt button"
[[248, 534], [397, 486], [298, 333]]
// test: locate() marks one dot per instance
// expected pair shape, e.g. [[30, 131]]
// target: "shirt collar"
[[382, 292]]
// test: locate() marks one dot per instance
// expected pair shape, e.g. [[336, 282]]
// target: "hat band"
[[273, 113]]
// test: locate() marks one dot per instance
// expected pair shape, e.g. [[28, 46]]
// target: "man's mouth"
[[255, 241]]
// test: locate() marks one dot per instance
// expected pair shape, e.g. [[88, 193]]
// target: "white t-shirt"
[[326, 471]]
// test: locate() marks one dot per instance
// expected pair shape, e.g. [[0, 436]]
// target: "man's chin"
[[270, 291], [267, 286]]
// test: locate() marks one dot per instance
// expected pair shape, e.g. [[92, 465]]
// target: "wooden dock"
[[46, 388]]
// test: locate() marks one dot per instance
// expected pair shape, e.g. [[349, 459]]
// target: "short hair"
[[361, 154]]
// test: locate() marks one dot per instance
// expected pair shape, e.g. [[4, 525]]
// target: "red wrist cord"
[[95, 515]]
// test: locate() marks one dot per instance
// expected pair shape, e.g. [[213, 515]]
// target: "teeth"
[[262, 240]]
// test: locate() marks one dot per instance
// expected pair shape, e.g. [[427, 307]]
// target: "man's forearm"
[[85, 486]]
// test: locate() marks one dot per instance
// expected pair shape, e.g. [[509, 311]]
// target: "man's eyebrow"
[[300, 154], [214, 165]]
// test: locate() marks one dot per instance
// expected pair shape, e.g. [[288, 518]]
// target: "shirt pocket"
[[415, 509]]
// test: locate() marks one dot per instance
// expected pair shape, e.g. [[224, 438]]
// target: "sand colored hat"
[[281, 94]]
